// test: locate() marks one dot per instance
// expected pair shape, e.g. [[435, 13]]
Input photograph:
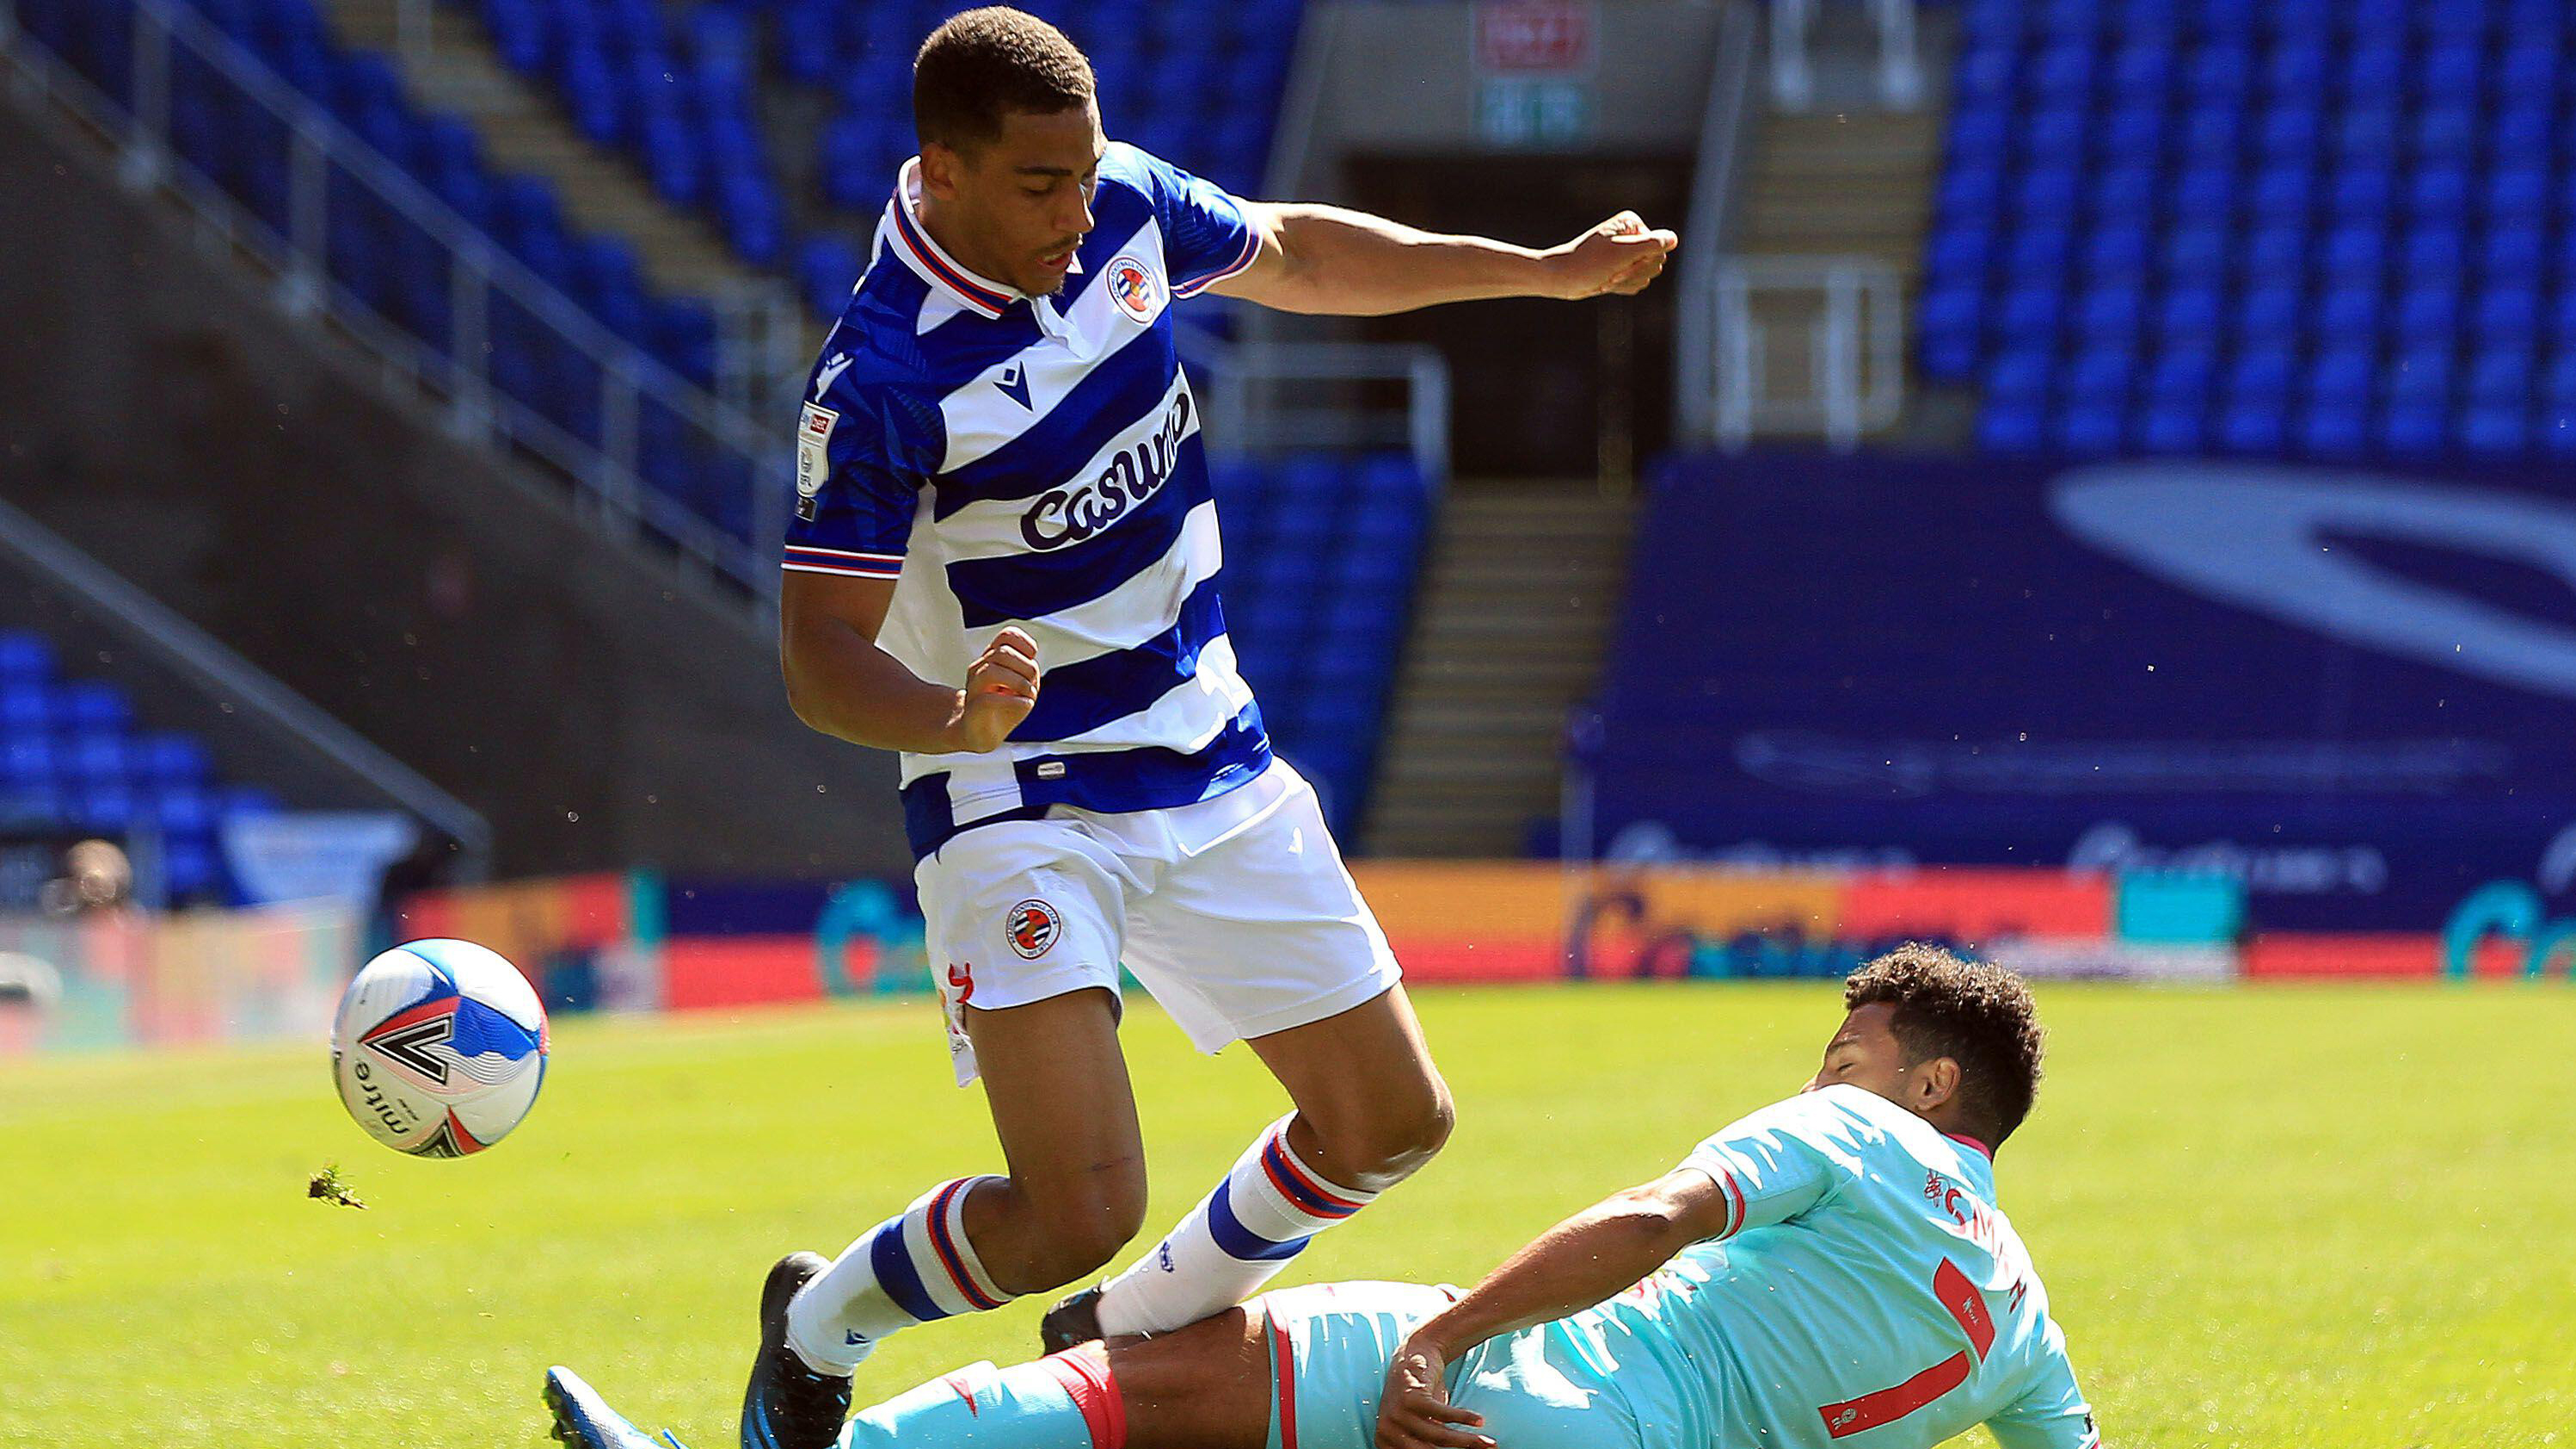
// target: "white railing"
[[322, 158], [1707, 229], [1855, 341], [1793, 70], [1274, 397], [241, 687]]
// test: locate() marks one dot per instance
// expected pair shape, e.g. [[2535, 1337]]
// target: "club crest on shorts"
[[1033, 926], [1133, 289]]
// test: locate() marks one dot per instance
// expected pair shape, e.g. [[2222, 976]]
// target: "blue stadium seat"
[[26, 757], [2413, 428], [91, 705], [2335, 427], [2499, 378], [2010, 427], [2272, 310], [97, 758], [2254, 427], [2557, 380], [2172, 427], [2190, 313], [25, 658], [2344, 376], [2263, 375], [2429, 313], [2183, 377], [2508, 314], [2514, 251]]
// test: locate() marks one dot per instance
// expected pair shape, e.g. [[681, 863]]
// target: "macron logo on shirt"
[[1014, 384]]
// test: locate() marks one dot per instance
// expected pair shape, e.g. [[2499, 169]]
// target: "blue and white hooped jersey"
[[1035, 461]]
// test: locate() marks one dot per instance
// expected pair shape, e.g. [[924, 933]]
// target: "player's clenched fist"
[[1001, 689], [1620, 255]]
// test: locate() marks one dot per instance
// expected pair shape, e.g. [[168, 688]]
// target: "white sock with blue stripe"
[[1239, 1238], [912, 1268]]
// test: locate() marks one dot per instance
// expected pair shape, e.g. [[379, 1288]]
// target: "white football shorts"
[[1236, 913]]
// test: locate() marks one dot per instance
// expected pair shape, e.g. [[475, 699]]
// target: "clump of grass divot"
[[329, 1186]]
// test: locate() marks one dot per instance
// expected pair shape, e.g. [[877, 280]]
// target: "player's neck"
[[952, 240]]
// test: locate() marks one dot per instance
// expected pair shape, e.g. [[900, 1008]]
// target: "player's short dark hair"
[[1977, 1014], [980, 65]]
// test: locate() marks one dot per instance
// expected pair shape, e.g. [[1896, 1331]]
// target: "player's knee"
[[1404, 1132], [1080, 1229], [1428, 1129]]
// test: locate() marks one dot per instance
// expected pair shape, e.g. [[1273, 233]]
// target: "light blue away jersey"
[[1867, 1294], [1035, 461]]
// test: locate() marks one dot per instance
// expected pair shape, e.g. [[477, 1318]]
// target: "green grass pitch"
[[2268, 1217]]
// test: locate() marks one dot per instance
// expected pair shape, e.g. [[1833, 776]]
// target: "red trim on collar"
[[1972, 1142], [983, 298]]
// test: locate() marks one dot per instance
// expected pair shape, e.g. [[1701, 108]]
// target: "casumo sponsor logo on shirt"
[[1069, 515]]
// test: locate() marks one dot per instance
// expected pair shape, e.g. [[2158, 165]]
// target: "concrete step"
[[1516, 606]]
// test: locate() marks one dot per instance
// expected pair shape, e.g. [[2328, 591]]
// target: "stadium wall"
[[2343, 689], [642, 943], [158, 411]]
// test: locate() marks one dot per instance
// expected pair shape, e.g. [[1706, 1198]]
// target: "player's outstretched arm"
[[1588, 1257], [1326, 259], [841, 683]]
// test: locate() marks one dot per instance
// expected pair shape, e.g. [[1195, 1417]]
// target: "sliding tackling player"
[[1832, 1268]]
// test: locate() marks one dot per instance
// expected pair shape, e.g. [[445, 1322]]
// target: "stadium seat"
[[2352, 187]]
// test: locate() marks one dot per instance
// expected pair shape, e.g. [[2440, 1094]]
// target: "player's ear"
[[940, 165], [1936, 1082]]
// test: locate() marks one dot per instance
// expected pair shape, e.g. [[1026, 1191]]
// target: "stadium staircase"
[[524, 128], [1515, 609], [1836, 181]]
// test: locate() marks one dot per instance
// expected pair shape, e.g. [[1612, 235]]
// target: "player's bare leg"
[[1066, 1114], [1205, 1387], [1075, 1195], [1371, 1109]]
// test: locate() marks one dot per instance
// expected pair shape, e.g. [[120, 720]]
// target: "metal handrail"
[[1856, 348], [1708, 227], [1899, 73], [1238, 373], [211, 667], [479, 270]]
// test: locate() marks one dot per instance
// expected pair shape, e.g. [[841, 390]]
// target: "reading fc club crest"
[[1133, 289], [1033, 926]]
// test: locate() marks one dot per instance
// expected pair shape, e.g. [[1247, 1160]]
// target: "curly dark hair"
[[981, 64], [1977, 1014]]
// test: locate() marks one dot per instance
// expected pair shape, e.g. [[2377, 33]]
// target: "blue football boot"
[[583, 1418]]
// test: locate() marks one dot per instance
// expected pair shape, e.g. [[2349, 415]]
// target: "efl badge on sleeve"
[[813, 456]]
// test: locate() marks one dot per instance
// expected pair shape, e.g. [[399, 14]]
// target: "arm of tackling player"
[[1588, 1257]]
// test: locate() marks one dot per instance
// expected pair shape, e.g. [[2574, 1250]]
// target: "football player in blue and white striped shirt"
[[1004, 564]]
